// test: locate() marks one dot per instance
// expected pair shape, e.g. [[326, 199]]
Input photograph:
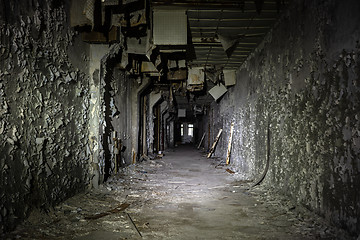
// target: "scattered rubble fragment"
[[167, 199]]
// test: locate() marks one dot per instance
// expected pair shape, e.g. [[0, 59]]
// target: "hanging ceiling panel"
[[243, 21], [170, 27]]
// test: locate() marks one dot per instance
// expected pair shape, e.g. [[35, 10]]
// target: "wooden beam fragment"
[[214, 144], [202, 139], [230, 171], [119, 208], [229, 144]]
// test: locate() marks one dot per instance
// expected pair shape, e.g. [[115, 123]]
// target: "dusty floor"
[[181, 196]]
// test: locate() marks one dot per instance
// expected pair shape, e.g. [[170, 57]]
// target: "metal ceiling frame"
[[243, 20]]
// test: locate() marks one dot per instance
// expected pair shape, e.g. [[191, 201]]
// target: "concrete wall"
[[121, 98], [303, 84], [154, 98], [97, 53], [122, 119], [44, 100]]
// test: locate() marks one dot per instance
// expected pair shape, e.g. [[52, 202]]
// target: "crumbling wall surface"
[[97, 53], [122, 109], [120, 102], [154, 98], [43, 108], [303, 85]]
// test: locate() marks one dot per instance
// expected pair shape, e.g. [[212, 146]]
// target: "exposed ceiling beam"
[[192, 4], [209, 3], [204, 33], [237, 19], [228, 28], [233, 10], [216, 40], [220, 46], [221, 51], [219, 60], [230, 19], [217, 55]]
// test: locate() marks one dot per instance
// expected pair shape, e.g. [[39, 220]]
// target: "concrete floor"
[[181, 196]]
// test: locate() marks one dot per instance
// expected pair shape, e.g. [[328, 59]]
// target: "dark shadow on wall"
[[106, 138]]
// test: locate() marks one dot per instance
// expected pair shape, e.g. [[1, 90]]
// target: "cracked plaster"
[[43, 110], [307, 88]]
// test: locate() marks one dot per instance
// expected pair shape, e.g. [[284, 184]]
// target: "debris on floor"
[[230, 171], [119, 208], [176, 197]]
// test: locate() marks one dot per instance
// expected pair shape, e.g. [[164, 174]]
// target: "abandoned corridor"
[[183, 195], [94, 92]]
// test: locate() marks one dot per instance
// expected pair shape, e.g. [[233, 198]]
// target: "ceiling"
[[213, 23], [218, 35]]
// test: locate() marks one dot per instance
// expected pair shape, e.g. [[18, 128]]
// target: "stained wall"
[[302, 84], [44, 100]]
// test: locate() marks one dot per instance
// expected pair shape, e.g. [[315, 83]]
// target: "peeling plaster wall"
[[171, 134], [119, 97], [121, 111], [154, 98], [164, 106], [137, 88], [303, 82], [97, 53], [44, 100], [125, 111]]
